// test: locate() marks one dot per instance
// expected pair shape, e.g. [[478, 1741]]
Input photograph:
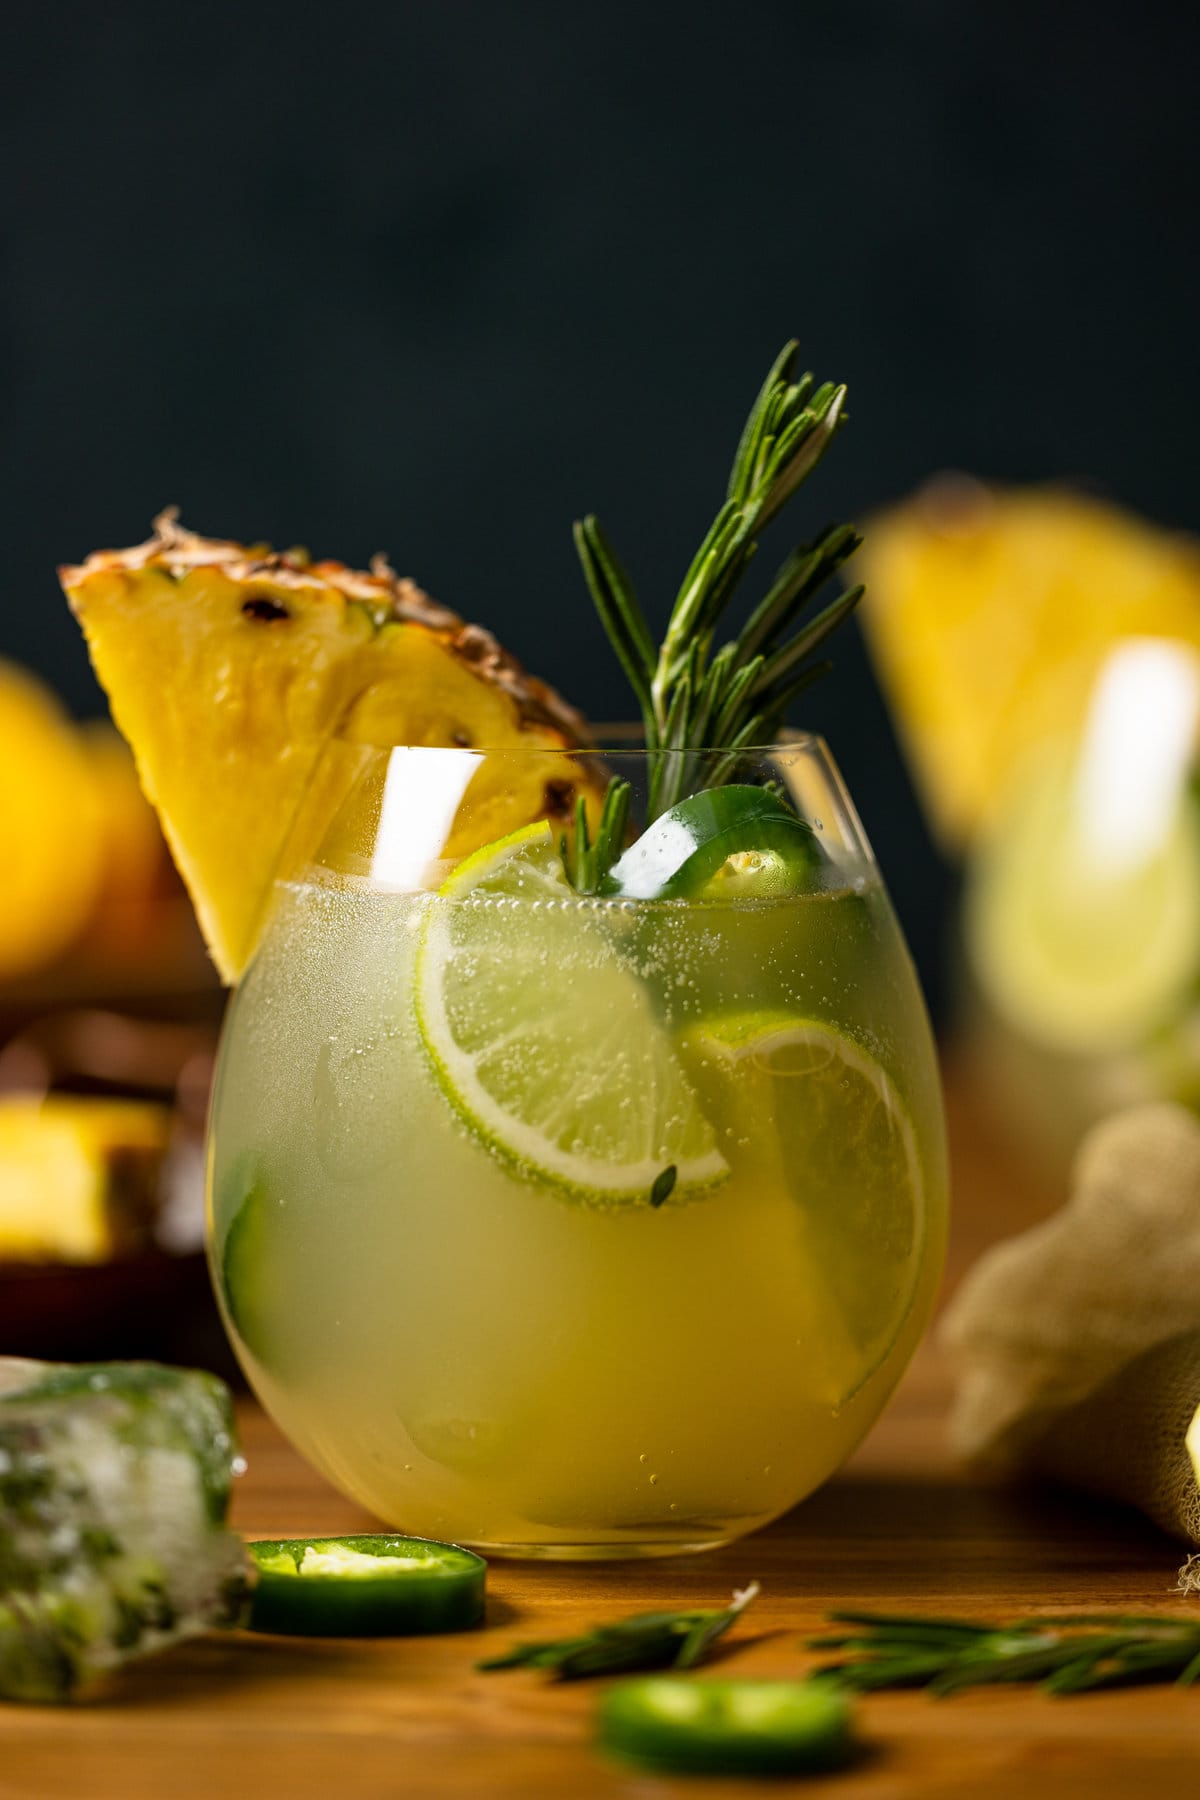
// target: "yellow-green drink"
[[578, 1183], [441, 1236]]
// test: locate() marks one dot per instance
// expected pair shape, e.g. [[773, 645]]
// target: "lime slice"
[[805, 1107], [1076, 951], [543, 1038]]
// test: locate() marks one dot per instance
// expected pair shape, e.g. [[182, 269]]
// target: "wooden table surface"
[[237, 1716]]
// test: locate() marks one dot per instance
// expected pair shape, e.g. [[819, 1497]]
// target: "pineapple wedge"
[[989, 614], [231, 670]]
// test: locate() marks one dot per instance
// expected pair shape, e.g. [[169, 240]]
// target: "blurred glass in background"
[[1042, 653]]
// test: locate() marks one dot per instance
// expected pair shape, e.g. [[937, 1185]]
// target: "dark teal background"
[[437, 277]]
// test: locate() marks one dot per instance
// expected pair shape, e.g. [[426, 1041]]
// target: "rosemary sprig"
[[692, 697], [654, 1640], [587, 859], [1065, 1654]]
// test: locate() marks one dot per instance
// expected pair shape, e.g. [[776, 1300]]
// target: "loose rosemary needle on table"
[[1069, 1653], [652, 1640]]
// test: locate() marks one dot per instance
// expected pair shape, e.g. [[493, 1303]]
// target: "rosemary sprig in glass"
[[692, 697], [654, 1640], [1070, 1653], [587, 855]]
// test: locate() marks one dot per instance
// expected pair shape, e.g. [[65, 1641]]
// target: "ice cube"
[[114, 1489]]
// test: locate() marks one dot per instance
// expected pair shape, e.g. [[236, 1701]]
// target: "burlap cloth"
[[1077, 1344]]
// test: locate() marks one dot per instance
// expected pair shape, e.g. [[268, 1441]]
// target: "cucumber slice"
[[259, 1268], [249, 1272]]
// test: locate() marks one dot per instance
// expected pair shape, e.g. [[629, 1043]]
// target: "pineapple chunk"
[[989, 615], [78, 1177], [232, 670]]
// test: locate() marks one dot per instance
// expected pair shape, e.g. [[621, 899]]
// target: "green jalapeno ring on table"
[[364, 1586], [727, 1727]]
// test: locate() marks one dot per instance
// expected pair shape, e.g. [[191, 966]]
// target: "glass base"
[[615, 1551]]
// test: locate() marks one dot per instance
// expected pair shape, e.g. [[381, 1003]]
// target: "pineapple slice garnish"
[[231, 670]]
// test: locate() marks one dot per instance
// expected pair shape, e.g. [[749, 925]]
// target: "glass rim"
[[616, 739], [385, 805]]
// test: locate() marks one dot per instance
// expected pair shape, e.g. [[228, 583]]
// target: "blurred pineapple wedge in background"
[[51, 819], [1041, 653], [231, 669], [989, 614], [88, 872]]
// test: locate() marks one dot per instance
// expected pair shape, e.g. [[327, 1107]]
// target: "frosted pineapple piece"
[[114, 1488]]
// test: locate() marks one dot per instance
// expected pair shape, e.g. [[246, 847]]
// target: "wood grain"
[[900, 1528]]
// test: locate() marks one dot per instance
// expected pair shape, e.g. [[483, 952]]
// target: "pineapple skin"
[[230, 670]]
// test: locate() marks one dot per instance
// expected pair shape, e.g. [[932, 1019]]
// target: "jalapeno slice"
[[740, 840], [365, 1587], [665, 1722]]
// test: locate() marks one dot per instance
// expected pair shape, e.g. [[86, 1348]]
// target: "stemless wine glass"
[[577, 1225]]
